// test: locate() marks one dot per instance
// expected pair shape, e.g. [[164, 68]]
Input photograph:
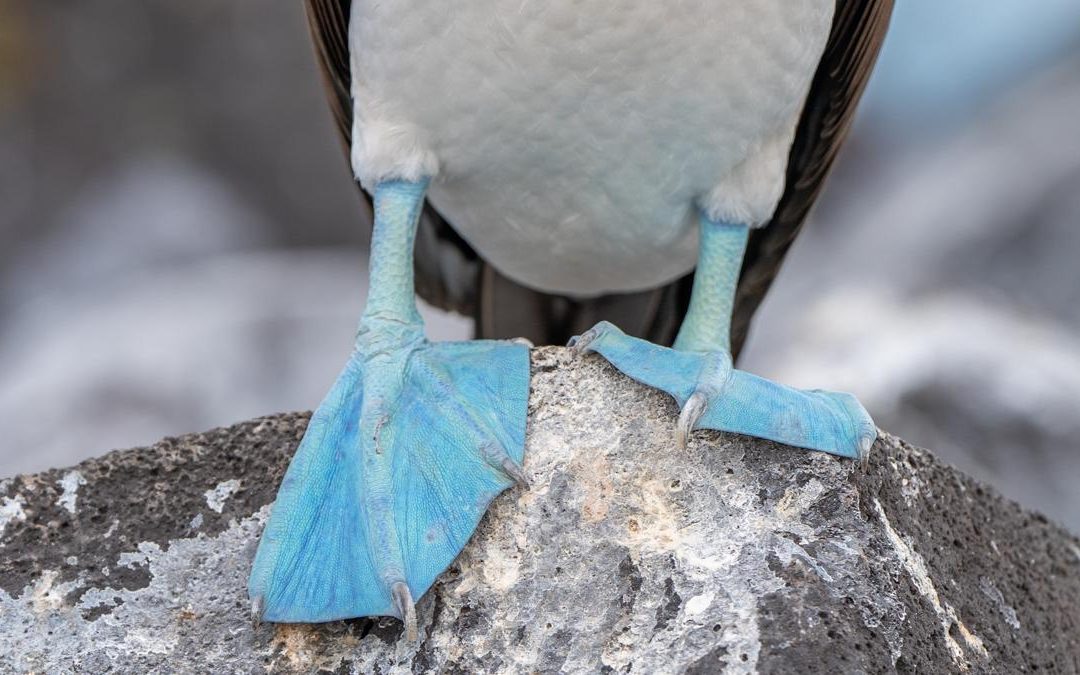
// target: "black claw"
[[403, 602], [688, 418], [866, 443], [499, 460], [580, 343], [514, 471], [257, 607]]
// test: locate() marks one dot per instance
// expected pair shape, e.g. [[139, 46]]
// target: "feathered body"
[[572, 142], [572, 139]]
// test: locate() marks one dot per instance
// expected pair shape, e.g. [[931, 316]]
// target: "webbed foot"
[[397, 467], [712, 394], [400, 460]]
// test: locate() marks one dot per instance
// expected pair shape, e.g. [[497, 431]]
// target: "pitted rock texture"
[[625, 555]]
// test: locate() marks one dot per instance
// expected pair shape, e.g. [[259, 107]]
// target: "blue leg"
[[699, 374], [400, 460]]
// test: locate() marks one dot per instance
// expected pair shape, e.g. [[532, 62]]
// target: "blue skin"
[[415, 439], [400, 460], [698, 372]]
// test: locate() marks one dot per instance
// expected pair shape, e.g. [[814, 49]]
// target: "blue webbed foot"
[[713, 395], [400, 460], [396, 469]]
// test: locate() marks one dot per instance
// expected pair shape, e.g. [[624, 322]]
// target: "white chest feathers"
[[572, 141]]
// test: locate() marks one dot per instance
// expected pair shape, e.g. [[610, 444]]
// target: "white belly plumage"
[[573, 140]]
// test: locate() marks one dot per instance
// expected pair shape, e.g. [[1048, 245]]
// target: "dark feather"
[[328, 21], [858, 30]]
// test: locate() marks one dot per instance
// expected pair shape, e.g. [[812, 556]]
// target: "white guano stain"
[[501, 569], [46, 595], [920, 576], [1007, 611], [148, 616], [11, 509], [69, 485], [147, 551], [699, 604], [216, 497], [700, 560]]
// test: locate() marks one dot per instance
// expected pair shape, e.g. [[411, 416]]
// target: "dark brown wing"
[[328, 21], [447, 269], [857, 33]]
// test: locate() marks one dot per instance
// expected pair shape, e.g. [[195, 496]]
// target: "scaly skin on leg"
[[400, 460], [707, 324], [698, 372]]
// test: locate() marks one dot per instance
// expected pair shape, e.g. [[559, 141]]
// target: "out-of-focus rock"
[[997, 392], [947, 296], [624, 555], [218, 339]]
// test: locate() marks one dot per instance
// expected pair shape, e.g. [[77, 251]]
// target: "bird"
[[624, 174]]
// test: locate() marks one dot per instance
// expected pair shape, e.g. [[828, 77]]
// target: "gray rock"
[[625, 555]]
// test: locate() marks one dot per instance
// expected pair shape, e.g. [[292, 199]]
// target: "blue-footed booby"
[[550, 163]]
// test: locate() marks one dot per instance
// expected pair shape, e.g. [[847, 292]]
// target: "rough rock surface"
[[625, 555]]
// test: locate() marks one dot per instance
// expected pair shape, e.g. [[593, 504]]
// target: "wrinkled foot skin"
[[713, 395], [396, 469]]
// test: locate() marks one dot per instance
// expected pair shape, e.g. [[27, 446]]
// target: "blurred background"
[[180, 241]]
